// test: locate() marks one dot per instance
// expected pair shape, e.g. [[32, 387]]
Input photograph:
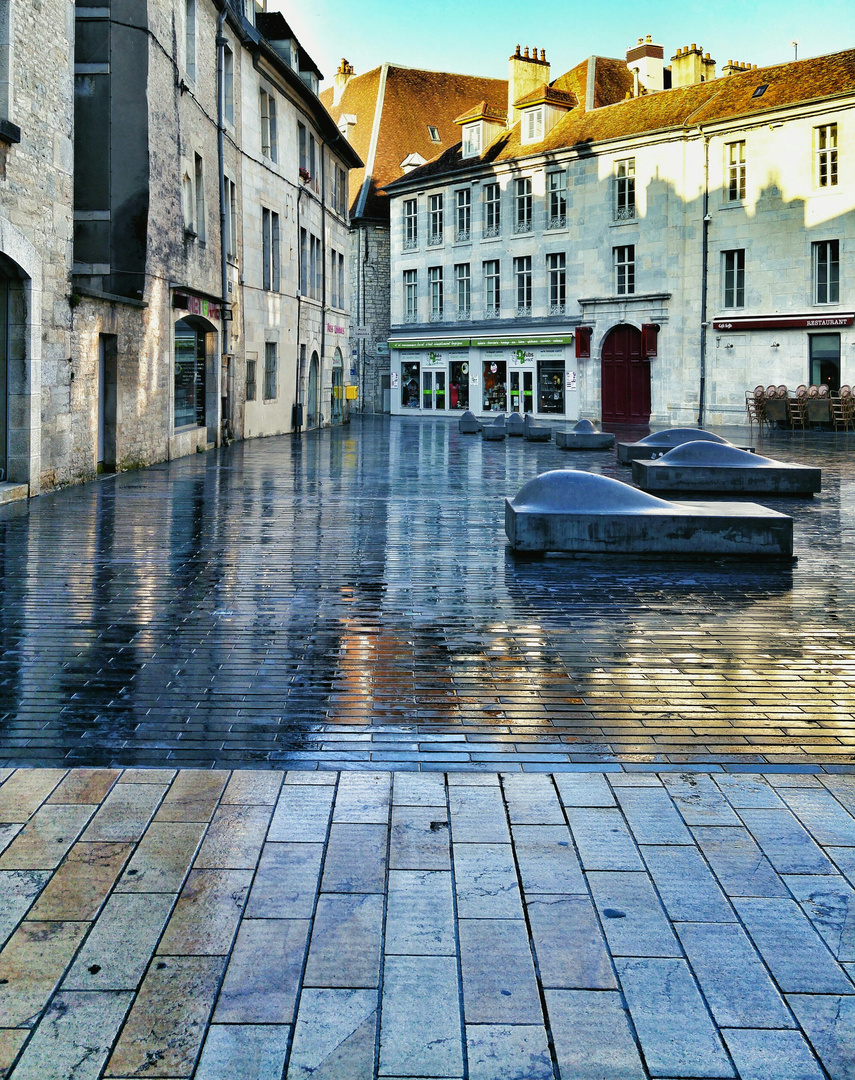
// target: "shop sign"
[[551, 354], [431, 343], [571, 380], [434, 357], [522, 342], [785, 322], [522, 356], [361, 332], [334, 328], [195, 305], [381, 348], [459, 354]]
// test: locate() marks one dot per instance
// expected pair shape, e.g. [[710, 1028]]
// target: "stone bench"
[[494, 432], [469, 424], [536, 432], [582, 513], [660, 442], [584, 436], [707, 466]]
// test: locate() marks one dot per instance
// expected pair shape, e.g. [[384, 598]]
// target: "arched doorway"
[[195, 389], [625, 377], [336, 405], [313, 396]]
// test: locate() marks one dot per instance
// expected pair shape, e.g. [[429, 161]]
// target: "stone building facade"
[[37, 372], [605, 246]]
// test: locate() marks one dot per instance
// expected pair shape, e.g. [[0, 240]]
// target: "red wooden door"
[[625, 377]]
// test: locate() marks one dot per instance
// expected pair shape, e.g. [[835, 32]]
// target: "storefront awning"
[[484, 342]]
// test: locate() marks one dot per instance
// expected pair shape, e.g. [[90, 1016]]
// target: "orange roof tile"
[[413, 100]]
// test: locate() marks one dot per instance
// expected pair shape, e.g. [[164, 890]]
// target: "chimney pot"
[[517, 53], [694, 47], [543, 55], [525, 54], [641, 41], [648, 38]]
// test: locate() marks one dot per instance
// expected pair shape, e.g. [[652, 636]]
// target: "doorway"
[[313, 397], [625, 377], [107, 397], [522, 391], [433, 389]]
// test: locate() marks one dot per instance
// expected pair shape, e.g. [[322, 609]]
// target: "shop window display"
[[458, 387], [410, 372], [495, 386], [550, 385]]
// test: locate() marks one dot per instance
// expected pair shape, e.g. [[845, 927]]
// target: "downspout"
[[300, 284], [221, 43], [704, 273]]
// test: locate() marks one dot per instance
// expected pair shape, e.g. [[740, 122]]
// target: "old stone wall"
[[370, 300]]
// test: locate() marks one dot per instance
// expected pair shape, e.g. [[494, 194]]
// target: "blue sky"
[[478, 36]]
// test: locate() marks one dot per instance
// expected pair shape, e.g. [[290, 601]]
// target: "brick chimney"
[[690, 66], [342, 78], [649, 61], [525, 74]]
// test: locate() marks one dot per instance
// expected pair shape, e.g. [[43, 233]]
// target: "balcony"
[[522, 227], [557, 309], [462, 236], [410, 243], [492, 230], [434, 239], [523, 311], [411, 317], [625, 213], [463, 314], [559, 222], [492, 313], [435, 316]]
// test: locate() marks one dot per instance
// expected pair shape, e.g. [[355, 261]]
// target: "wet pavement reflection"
[[348, 600]]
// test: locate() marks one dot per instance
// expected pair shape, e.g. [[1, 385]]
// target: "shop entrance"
[[190, 374], [313, 395], [458, 388], [336, 405], [825, 360], [522, 391], [495, 386], [625, 377], [433, 389]]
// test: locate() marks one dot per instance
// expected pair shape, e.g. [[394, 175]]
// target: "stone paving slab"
[[524, 953]]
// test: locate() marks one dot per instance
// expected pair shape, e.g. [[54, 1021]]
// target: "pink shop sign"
[[333, 329]]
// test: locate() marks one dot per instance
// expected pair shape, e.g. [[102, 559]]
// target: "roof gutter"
[[372, 147]]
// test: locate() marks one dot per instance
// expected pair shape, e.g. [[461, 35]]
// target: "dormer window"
[[471, 140], [532, 125]]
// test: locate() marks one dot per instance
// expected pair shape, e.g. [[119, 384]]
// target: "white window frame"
[[522, 279], [411, 296], [624, 269], [492, 289], [492, 210], [436, 293], [522, 204], [736, 171], [733, 278], [471, 140], [825, 257], [532, 125], [463, 215], [411, 224], [269, 250], [556, 190], [624, 190], [435, 204], [463, 283], [556, 265], [825, 150], [269, 135], [229, 85]]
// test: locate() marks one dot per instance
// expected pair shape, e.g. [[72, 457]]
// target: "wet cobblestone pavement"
[[467, 926], [347, 600]]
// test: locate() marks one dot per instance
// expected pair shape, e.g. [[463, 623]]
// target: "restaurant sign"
[[195, 305], [785, 322]]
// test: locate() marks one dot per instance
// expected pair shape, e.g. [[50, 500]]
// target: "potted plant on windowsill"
[[305, 175]]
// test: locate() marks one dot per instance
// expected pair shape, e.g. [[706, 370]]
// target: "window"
[[556, 265], [199, 197], [435, 221], [735, 172], [231, 220], [492, 210], [316, 266], [313, 163], [251, 388], [342, 299], [188, 205], [304, 263], [492, 301], [733, 263], [464, 214], [826, 155], [556, 190], [302, 145], [522, 273], [270, 365], [229, 84], [333, 280], [532, 125], [435, 285], [624, 188], [433, 132], [270, 250], [624, 262], [463, 280], [411, 224], [411, 296], [268, 125], [338, 194], [826, 272], [471, 140], [190, 39], [522, 205]]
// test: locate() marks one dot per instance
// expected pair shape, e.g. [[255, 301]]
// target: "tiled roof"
[[413, 99], [703, 103], [483, 111], [551, 95]]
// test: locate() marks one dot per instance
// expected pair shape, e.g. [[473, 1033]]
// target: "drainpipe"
[[300, 284], [221, 43], [323, 164], [704, 273]]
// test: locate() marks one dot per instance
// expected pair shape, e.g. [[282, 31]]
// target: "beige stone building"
[[37, 372], [630, 241]]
